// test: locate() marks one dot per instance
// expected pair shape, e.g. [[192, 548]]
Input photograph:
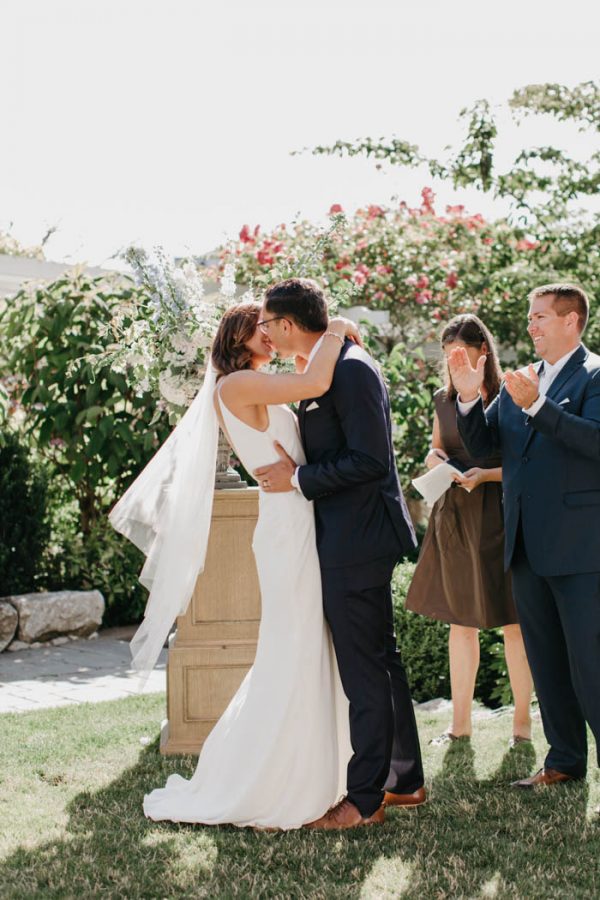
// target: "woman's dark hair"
[[301, 300], [229, 352], [470, 330]]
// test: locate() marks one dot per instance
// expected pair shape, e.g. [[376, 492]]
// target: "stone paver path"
[[81, 671]]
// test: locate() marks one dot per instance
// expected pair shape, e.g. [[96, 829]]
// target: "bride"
[[278, 756]]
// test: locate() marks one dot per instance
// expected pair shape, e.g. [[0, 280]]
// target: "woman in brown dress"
[[460, 575]]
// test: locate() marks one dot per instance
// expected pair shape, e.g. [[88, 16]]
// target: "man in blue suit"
[[363, 529], [546, 424]]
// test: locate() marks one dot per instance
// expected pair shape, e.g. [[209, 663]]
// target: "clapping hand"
[[465, 378], [524, 388]]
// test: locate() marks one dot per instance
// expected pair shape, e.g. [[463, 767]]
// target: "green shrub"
[[423, 643], [24, 527], [94, 427], [102, 560]]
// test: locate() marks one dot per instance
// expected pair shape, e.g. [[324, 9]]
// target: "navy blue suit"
[[363, 529], [551, 480]]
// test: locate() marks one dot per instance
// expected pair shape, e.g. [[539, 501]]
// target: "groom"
[[363, 530]]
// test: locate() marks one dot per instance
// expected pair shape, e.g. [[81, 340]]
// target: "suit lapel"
[[301, 417], [566, 372], [569, 369]]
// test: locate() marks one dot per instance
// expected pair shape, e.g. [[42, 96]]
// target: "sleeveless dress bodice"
[[256, 448]]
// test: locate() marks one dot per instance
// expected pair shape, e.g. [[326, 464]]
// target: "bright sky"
[[172, 121]]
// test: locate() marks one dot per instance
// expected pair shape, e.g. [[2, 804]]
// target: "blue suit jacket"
[[550, 468], [360, 513]]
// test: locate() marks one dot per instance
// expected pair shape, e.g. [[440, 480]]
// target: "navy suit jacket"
[[550, 468], [361, 515]]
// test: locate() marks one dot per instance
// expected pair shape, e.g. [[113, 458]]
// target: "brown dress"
[[460, 576]]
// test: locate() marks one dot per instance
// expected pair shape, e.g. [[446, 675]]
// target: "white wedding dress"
[[278, 755]]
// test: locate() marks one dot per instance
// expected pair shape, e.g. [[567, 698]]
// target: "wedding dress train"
[[278, 755]]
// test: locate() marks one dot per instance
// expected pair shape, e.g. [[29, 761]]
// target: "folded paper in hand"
[[434, 483]]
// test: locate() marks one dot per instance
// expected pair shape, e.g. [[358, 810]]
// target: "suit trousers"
[[358, 607], [560, 621]]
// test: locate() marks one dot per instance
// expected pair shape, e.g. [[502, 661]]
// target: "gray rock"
[[46, 616], [435, 705], [8, 623], [16, 646]]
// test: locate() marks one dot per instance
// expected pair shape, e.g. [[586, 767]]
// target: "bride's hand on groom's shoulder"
[[346, 328]]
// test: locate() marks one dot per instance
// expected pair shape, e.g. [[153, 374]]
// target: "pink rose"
[[428, 197], [245, 236]]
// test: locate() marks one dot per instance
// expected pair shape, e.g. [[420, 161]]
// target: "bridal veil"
[[166, 512]]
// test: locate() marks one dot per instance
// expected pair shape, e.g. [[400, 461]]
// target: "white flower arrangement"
[[162, 335]]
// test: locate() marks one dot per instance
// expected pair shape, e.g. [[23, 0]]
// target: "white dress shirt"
[[549, 373], [294, 479]]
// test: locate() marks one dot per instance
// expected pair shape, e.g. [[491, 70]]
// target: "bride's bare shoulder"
[[232, 385]]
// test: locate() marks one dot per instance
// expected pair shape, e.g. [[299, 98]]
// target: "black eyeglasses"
[[264, 325]]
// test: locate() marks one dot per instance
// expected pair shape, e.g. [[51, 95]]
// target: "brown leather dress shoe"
[[346, 815], [415, 799], [543, 777]]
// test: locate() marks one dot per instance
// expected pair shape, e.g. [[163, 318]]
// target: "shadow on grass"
[[475, 838]]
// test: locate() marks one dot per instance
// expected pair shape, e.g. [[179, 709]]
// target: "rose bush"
[[423, 267]]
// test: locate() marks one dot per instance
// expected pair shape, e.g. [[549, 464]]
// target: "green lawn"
[[71, 823]]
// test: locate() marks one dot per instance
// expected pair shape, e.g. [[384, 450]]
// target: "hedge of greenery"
[[24, 525], [91, 431], [423, 644]]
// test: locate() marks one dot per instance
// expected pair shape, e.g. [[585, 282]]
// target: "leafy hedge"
[[423, 644], [100, 559], [24, 527], [93, 427]]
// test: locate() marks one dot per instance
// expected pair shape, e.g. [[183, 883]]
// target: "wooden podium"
[[215, 642]]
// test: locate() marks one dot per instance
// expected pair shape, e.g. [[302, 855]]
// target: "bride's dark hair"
[[229, 352]]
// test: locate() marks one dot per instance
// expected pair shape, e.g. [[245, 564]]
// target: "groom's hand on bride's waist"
[[277, 478]]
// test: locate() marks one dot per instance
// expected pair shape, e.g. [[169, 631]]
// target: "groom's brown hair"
[[301, 300], [566, 298]]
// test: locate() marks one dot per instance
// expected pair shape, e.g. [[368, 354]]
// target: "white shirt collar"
[[552, 369], [314, 350]]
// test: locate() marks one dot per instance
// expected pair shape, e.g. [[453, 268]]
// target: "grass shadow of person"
[[471, 833]]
